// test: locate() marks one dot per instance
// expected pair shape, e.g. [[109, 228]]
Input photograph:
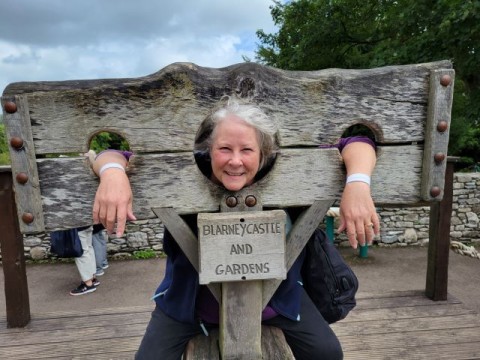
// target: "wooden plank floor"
[[401, 325]]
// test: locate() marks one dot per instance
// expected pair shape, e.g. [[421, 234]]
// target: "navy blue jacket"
[[178, 291]]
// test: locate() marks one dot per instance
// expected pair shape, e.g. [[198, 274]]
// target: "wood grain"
[[383, 326], [159, 115]]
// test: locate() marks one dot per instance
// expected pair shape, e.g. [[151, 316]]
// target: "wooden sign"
[[238, 246]]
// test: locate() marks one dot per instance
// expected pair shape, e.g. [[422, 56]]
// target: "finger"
[[102, 215], [360, 230], [95, 211], [110, 218], [121, 221], [376, 224], [369, 232], [352, 238], [342, 225], [361, 238], [130, 215]]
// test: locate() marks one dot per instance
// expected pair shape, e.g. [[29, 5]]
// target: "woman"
[[233, 145]]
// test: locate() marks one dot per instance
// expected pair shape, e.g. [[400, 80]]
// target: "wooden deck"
[[401, 325]]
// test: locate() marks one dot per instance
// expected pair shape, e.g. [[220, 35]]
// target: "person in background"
[[86, 264], [99, 242]]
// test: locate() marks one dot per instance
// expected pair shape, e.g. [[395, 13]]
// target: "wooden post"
[[439, 239], [11, 243], [241, 321], [240, 328]]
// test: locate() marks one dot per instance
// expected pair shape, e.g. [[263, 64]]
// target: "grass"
[[144, 254]]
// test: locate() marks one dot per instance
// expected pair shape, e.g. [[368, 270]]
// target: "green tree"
[[319, 34], [4, 156]]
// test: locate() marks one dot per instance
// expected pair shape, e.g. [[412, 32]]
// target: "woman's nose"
[[236, 159]]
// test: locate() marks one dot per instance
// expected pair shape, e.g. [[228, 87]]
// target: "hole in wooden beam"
[[108, 140], [359, 130]]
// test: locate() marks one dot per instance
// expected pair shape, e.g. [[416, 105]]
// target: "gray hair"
[[252, 115]]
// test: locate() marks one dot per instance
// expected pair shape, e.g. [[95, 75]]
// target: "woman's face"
[[235, 153]]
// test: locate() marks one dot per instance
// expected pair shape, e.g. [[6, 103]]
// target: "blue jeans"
[[99, 242]]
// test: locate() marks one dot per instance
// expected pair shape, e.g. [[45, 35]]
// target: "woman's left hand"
[[358, 214]]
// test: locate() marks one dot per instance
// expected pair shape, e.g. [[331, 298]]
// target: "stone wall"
[[399, 226]]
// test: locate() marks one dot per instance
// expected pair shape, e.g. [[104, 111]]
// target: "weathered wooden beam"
[[297, 239], [24, 168], [13, 259], [240, 326], [439, 239], [241, 321], [186, 239], [311, 108], [162, 112], [68, 185], [274, 346], [437, 131]]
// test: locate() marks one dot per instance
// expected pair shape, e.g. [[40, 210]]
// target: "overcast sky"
[[92, 39]]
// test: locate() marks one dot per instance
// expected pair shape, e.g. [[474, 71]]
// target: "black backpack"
[[66, 243], [328, 280]]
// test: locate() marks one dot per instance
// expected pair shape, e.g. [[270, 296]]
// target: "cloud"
[[88, 39]]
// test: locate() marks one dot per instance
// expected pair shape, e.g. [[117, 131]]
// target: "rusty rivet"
[[22, 178], [10, 107], [16, 142], [439, 157], [435, 191], [27, 218], [445, 80], [231, 201], [442, 126], [250, 201]]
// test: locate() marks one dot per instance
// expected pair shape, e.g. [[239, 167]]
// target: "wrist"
[[110, 165], [358, 177]]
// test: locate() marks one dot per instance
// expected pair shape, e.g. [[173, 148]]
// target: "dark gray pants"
[[311, 338]]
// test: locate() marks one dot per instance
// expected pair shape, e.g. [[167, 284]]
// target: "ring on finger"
[[369, 225]]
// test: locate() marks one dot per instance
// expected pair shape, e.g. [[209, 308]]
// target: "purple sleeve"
[[348, 140], [126, 154]]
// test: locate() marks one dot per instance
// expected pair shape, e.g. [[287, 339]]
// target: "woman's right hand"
[[113, 201]]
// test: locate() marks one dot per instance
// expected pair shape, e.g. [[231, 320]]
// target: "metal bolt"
[[16, 142], [445, 80], [442, 126], [231, 201], [439, 157], [22, 178], [27, 218], [10, 107], [435, 191], [250, 201]]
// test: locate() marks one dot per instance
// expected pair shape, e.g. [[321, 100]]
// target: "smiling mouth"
[[233, 174]]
